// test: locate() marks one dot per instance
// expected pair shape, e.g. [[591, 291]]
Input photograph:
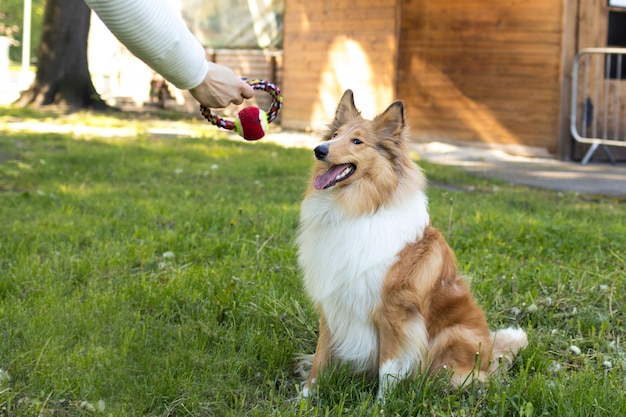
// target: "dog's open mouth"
[[335, 174]]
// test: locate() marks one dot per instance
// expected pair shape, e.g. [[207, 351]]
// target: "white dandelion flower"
[[575, 350]]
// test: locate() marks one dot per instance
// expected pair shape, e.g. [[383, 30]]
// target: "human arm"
[[154, 31]]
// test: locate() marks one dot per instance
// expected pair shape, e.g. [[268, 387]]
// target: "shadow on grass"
[[145, 114]]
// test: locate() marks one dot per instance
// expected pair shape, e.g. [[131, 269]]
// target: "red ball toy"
[[251, 123]]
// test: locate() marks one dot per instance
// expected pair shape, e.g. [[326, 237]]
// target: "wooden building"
[[488, 71]]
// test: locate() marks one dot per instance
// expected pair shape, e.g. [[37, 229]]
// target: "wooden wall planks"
[[482, 60], [472, 70], [330, 46]]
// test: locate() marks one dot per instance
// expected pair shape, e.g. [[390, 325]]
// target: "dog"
[[383, 280]]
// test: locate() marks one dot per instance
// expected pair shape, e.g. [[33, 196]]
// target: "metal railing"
[[598, 112]]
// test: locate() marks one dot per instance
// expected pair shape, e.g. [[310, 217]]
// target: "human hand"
[[221, 87]]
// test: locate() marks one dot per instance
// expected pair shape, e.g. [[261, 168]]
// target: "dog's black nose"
[[321, 152]]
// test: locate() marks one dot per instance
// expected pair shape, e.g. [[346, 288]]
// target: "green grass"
[[153, 276]]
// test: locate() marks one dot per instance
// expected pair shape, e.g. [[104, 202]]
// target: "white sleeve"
[[154, 31]]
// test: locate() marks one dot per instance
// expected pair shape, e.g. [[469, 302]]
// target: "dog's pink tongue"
[[328, 179]]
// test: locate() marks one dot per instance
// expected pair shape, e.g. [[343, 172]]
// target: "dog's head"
[[354, 148], [364, 159]]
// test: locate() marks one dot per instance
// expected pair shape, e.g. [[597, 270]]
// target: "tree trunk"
[[63, 77]]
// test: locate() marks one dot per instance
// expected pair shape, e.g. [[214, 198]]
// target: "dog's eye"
[[334, 135], [357, 141]]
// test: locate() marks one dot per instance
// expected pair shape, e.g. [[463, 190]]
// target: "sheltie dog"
[[383, 280]]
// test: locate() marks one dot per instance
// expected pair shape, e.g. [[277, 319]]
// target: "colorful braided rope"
[[272, 113]]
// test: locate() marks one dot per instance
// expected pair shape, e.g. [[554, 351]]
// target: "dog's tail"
[[506, 344]]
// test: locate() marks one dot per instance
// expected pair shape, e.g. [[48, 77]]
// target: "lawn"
[[157, 276]]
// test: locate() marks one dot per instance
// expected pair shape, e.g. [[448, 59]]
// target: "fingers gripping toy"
[[251, 122]]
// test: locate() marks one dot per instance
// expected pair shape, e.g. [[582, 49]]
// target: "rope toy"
[[251, 123]]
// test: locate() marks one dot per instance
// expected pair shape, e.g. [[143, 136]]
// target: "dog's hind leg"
[[506, 344], [321, 357], [467, 352]]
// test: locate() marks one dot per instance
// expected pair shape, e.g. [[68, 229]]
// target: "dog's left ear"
[[346, 110], [391, 121]]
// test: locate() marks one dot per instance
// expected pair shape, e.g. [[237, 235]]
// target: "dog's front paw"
[[307, 389]]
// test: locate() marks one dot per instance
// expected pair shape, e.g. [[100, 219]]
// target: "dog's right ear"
[[346, 110]]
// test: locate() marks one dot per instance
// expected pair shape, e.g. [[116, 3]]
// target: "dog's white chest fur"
[[345, 260]]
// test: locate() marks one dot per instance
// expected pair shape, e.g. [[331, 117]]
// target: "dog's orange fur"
[[425, 281], [419, 309]]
